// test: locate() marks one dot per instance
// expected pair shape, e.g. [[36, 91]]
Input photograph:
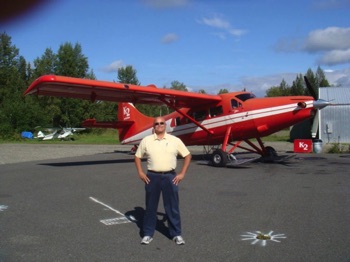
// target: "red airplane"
[[224, 120]]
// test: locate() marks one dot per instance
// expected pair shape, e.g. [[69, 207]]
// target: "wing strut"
[[187, 116], [224, 144]]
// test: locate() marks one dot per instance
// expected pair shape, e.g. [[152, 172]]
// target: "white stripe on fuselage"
[[218, 121]]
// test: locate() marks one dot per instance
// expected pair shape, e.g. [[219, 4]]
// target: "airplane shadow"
[[138, 214], [87, 163]]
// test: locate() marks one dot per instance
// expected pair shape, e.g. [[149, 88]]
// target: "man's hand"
[[144, 177], [178, 178]]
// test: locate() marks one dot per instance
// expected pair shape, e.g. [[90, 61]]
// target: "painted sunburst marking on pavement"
[[261, 239]]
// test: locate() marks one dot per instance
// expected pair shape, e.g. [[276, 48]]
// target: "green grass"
[[280, 136], [110, 137], [96, 136]]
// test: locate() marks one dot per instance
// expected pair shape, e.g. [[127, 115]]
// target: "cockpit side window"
[[235, 103]]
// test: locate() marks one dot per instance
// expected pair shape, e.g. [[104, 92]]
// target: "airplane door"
[[243, 125]]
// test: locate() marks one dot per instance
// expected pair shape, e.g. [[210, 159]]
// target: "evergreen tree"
[[273, 91], [127, 75], [46, 64], [284, 87], [321, 78], [13, 78], [223, 91], [176, 85], [298, 86], [313, 81], [71, 61]]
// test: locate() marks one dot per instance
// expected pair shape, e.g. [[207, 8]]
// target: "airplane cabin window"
[[215, 111], [234, 103], [178, 121], [199, 115]]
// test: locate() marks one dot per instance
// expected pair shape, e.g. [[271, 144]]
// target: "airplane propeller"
[[318, 104]]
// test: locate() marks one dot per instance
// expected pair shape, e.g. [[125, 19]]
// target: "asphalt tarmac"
[[90, 208]]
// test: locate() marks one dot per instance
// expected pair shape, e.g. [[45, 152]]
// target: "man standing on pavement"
[[161, 150]]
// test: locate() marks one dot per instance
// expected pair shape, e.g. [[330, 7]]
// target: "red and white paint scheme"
[[198, 119]]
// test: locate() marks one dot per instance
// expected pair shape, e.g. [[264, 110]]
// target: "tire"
[[219, 158], [270, 151]]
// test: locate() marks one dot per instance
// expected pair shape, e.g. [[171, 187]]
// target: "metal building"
[[334, 122]]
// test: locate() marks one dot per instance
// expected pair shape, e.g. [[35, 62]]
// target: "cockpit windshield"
[[246, 96]]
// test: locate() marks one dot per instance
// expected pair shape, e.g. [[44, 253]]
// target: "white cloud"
[[113, 67], [338, 77], [330, 38], [162, 4], [222, 24], [332, 44], [169, 38], [216, 22], [335, 57], [259, 85]]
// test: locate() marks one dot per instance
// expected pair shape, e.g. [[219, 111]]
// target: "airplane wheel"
[[270, 151], [219, 158]]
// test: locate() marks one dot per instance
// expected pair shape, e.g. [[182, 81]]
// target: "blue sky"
[[208, 44]]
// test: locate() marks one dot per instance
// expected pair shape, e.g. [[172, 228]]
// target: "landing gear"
[[270, 151], [219, 158], [224, 157]]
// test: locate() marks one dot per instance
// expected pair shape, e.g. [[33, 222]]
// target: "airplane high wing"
[[222, 121], [93, 90]]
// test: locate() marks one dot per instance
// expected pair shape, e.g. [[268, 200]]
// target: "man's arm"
[[182, 173], [142, 175]]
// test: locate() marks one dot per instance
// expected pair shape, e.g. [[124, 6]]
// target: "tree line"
[[298, 86], [19, 113]]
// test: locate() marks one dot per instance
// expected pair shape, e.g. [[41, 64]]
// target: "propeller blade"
[[310, 88], [314, 127]]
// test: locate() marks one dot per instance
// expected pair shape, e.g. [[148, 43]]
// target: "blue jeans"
[[162, 183]]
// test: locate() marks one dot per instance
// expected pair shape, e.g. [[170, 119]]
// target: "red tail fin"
[[127, 113], [130, 123]]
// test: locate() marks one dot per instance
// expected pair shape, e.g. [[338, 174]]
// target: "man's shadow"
[[137, 215]]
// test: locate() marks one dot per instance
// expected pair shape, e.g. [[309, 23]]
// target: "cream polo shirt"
[[161, 153]]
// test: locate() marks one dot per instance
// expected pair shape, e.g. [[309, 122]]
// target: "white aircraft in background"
[[62, 133]]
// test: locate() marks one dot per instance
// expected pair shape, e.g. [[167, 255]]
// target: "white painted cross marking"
[[115, 221]]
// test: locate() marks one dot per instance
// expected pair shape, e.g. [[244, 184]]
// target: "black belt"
[[162, 172]]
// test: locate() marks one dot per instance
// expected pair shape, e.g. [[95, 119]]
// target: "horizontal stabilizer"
[[117, 124]]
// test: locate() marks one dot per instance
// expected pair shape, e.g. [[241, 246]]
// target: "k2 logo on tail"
[[126, 113]]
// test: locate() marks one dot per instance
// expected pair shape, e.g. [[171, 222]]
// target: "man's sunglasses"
[[159, 123]]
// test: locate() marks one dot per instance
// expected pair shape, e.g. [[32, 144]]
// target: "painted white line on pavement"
[[113, 221], [103, 204]]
